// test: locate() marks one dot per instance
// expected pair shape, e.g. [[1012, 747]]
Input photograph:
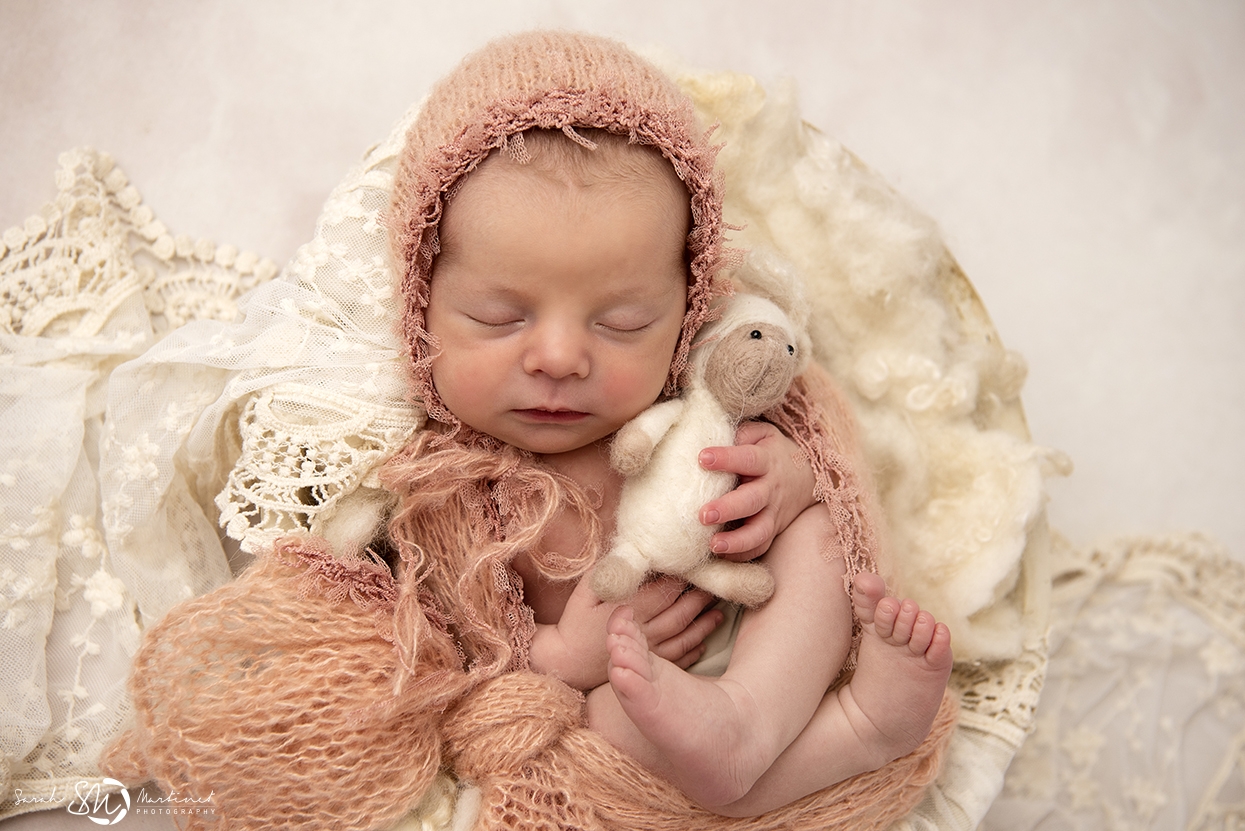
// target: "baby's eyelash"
[[494, 324], [627, 330]]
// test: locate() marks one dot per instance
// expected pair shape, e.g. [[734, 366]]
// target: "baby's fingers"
[[687, 646], [657, 596], [748, 541], [742, 502], [677, 617], [740, 459]]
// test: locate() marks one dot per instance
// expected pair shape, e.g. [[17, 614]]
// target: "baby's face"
[[558, 305]]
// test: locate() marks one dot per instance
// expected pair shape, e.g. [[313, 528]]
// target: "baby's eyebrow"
[[490, 289], [652, 289]]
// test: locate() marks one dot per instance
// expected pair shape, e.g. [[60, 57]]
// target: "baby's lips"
[[554, 416]]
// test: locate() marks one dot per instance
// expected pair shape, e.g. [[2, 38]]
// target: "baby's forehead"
[[572, 182], [594, 159]]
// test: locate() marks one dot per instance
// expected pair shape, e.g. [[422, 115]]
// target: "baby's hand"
[[674, 622], [775, 485]]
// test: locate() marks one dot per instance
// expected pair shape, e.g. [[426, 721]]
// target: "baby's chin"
[[559, 439], [553, 447]]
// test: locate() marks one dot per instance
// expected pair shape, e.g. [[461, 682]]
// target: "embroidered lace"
[[88, 283], [1142, 721]]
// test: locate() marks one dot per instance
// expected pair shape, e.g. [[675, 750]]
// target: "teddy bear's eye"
[[755, 334], [790, 349]]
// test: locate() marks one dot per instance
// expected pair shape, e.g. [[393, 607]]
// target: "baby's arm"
[[776, 485], [574, 649]]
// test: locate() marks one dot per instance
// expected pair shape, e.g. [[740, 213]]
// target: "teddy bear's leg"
[[749, 584], [618, 574]]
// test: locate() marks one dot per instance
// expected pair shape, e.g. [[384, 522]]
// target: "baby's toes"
[[868, 591], [885, 614], [922, 633], [905, 621], [939, 655], [622, 623]]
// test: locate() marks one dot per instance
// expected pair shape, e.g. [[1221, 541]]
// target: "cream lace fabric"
[[1142, 721], [90, 282], [158, 389], [268, 425]]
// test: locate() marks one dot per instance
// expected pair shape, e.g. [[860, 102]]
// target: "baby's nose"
[[557, 351]]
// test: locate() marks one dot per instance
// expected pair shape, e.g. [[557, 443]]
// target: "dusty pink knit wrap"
[[318, 692], [273, 701]]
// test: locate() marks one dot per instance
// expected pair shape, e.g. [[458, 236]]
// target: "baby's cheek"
[[460, 384], [634, 388]]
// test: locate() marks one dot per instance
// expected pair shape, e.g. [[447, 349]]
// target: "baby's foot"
[[696, 724], [902, 668]]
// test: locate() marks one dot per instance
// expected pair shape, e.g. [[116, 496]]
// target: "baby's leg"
[[714, 737], [884, 712], [902, 669]]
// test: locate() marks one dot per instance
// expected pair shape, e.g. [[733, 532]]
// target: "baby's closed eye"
[[625, 326], [495, 321], [490, 313], [632, 317]]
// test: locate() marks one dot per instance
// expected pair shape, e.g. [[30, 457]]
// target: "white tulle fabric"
[[159, 389]]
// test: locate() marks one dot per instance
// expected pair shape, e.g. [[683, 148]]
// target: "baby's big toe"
[[868, 590]]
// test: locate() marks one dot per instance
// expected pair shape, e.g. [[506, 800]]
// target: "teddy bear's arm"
[[634, 442]]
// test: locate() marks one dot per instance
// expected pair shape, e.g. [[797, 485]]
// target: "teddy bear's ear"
[[765, 273]]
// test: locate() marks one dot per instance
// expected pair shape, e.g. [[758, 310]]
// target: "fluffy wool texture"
[[935, 392], [345, 669], [742, 364]]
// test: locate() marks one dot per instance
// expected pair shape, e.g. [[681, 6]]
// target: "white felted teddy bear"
[[742, 365]]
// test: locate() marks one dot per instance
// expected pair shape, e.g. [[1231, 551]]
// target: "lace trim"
[[303, 451], [1197, 570], [67, 269], [310, 450], [1001, 697]]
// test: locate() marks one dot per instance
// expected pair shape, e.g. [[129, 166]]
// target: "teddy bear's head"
[[750, 356]]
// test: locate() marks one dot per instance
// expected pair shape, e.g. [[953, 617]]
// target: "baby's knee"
[[810, 538], [815, 519]]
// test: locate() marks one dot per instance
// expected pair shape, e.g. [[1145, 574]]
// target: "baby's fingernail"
[[706, 458], [712, 517]]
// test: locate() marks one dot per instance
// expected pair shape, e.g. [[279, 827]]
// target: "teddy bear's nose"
[[755, 334]]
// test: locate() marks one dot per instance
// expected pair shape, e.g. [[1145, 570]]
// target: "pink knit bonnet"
[[549, 80]]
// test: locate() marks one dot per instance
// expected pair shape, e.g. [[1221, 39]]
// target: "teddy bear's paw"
[[615, 579], [630, 451], [748, 584]]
